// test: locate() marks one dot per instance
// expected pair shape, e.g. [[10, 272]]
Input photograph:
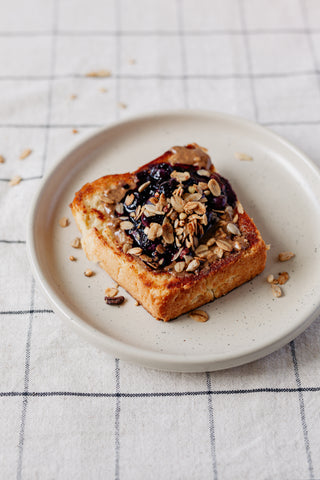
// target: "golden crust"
[[163, 294]]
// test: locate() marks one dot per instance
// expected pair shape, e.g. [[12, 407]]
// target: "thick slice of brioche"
[[164, 292]]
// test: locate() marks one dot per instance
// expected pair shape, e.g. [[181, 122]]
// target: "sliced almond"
[[199, 316], [214, 187], [285, 256]]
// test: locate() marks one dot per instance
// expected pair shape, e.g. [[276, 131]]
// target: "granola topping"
[[179, 216]]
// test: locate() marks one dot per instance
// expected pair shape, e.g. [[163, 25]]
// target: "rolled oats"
[[199, 316], [15, 180], [214, 187]]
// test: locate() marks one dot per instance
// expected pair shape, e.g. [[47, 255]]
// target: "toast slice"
[[172, 233]]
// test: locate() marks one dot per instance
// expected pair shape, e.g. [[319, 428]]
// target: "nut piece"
[[283, 278], [270, 278], [111, 292], [25, 153], [2, 160], [285, 256], [76, 243], [114, 300], [72, 258], [199, 316], [15, 180], [64, 222], [276, 290], [89, 273]]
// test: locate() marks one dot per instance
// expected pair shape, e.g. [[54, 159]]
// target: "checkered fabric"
[[67, 410]]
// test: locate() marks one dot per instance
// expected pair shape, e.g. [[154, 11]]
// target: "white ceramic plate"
[[280, 189]]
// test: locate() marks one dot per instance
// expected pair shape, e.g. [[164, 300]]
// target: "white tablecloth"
[[68, 410]]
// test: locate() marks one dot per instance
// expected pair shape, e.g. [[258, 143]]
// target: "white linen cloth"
[[68, 410]]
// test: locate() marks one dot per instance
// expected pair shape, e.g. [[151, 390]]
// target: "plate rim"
[[141, 356]]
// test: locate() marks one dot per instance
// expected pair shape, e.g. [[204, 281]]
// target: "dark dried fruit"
[[114, 300]]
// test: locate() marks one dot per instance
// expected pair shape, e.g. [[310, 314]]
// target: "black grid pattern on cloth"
[[181, 33]]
